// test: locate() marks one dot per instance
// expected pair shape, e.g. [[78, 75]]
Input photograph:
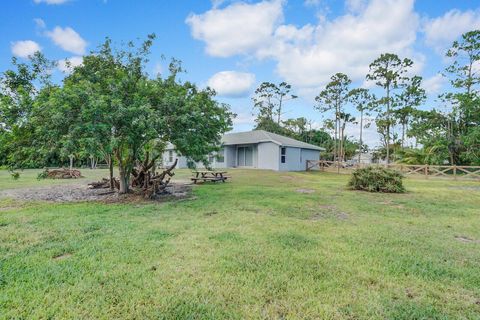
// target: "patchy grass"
[[252, 248]]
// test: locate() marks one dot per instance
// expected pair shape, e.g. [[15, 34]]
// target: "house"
[[255, 149], [366, 158]]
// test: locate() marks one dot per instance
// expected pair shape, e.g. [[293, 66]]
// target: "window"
[[284, 155], [210, 158], [170, 156], [221, 156]]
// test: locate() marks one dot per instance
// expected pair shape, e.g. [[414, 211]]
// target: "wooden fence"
[[427, 171]]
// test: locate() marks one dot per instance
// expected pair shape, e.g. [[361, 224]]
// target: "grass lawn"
[[253, 248]]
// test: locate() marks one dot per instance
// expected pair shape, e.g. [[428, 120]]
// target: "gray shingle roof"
[[257, 136]]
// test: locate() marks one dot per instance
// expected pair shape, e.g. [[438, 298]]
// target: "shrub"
[[42, 175], [15, 175], [377, 179]]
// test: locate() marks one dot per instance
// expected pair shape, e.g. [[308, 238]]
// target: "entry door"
[[245, 156]]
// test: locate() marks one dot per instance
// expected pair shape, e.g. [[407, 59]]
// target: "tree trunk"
[[110, 169], [335, 156], [279, 111], [124, 180], [388, 124], [361, 141]]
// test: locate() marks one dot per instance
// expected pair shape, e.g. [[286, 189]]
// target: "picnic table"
[[207, 175]]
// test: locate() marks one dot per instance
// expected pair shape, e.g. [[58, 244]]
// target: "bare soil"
[[78, 191]]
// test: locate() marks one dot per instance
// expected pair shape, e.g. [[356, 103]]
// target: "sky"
[[233, 46]]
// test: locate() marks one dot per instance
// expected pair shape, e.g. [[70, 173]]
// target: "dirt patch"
[[308, 191], [79, 191], [466, 239], [327, 211], [62, 256]]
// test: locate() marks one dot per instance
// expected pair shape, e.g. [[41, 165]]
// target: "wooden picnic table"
[[208, 175]]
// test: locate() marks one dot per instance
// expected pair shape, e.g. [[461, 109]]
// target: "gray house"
[[255, 149]]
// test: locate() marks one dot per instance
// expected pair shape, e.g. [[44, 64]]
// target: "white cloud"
[[355, 5], [51, 1], [442, 31], [239, 28], [157, 69], [312, 3], [308, 55], [370, 135], [232, 83], [68, 39], [40, 23], [67, 65], [346, 44], [244, 119], [434, 85], [25, 48]]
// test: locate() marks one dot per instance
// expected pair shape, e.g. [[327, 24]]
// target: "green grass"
[[253, 248]]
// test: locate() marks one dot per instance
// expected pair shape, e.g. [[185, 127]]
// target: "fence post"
[[455, 172], [426, 171]]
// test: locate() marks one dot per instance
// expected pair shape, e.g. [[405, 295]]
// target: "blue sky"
[[235, 45]]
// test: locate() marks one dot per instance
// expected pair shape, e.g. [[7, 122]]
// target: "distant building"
[[255, 149], [366, 158]]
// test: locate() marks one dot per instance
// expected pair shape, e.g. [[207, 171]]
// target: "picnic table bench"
[[207, 175]]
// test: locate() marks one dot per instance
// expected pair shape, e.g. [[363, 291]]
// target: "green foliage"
[[455, 130], [377, 179], [42, 175], [269, 100], [389, 73], [107, 108], [15, 175]]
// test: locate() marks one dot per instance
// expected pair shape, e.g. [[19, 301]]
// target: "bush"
[[15, 175], [42, 175], [377, 179]]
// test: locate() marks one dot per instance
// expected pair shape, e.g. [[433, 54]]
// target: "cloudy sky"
[[233, 46]]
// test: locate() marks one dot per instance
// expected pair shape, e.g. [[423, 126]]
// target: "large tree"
[[269, 100], [109, 106], [19, 89], [388, 72], [364, 102], [407, 101], [334, 98], [134, 113], [453, 126]]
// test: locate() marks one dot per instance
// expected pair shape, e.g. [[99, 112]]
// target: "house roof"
[[257, 136]]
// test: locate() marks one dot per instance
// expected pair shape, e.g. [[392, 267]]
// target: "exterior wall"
[[268, 156], [182, 161], [296, 158], [230, 156], [308, 154]]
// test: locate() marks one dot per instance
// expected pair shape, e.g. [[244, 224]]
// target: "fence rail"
[[427, 171]]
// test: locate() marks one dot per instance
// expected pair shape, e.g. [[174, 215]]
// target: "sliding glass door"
[[245, 156]]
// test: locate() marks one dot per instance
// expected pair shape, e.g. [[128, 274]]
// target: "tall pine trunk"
[[361, 141], [388, 124]]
